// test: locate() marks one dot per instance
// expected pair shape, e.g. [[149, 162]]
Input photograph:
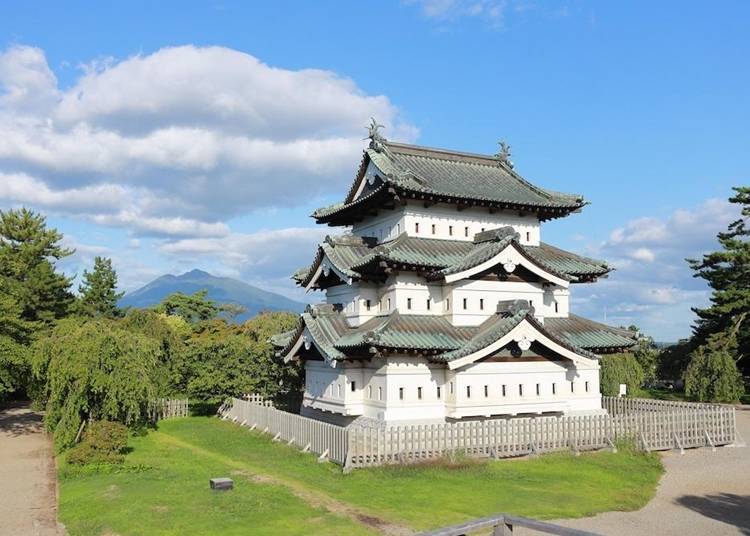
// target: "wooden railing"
[[672, 427], [503, 524], [326, 440], [167, 408]]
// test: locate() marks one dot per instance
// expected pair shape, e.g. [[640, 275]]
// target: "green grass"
[[170, 495], [664, 394]]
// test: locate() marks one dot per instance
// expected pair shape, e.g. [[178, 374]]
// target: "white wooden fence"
[[166, 408], [327, 440], [651, 426]]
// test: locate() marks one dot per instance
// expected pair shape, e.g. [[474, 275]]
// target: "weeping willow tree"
[[95, 370]]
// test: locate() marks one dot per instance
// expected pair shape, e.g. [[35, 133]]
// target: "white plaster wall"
[[482, 297], [353, 299], [409, 389], [469, 399], [448, 222]]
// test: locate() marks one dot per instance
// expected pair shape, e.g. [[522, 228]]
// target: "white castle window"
[[438, 392], [504, 390], [450, 230], [380, 393], [419, 393], [554, 388], [408, 303], [400, 393], [428, 304]]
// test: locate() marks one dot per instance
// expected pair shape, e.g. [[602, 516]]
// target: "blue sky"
[[184, 135]]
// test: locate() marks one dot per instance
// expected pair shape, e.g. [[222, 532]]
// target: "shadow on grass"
[[726, 507]]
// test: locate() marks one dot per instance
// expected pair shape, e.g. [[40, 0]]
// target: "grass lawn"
[[163, 488]]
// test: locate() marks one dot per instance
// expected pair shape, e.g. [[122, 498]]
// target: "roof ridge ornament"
[[374, 135], [503, 155]]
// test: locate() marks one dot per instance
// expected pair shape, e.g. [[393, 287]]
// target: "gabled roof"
[[434, 336], [439, 175], [359, 258]]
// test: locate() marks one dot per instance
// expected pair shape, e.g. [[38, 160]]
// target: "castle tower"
[[442, 302]]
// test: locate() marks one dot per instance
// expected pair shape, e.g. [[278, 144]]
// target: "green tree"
[[727, 272], [98, 291], [617, 369], [192, 307], [712, 375], [28, 251], [95, 370]]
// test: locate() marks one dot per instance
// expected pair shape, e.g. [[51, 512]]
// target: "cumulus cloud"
[[177, 141], [653, 286]]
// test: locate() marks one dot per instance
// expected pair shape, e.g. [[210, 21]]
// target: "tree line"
[[84, 359], [710, 363]]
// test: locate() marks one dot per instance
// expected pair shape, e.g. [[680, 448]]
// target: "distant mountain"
[[220, 289]]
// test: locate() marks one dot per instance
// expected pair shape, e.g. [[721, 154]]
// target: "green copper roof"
[[435, 337], [357, 257], [447, 176], [585, 333]]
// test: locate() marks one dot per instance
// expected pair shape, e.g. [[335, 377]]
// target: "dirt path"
[[702, 492], [28, 497], [313, 497]]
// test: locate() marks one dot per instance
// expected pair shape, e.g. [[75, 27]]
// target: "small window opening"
[[408, 303], [447, 304], [416, 227], [486, 391], [504, 390], [520, 389], [380, 393], [465, 304], [481, 304], [528, 236], [586, 386], [400, 393], [468, 391], [389, 304], [429, 304], [557, 310], [433, 228], [482, 229], [368, 304], [438, 392], [466, 231], [354, 386], [451, 387], [450, 230], [419, 393], [572, 387], [369, 391], [538, 390], [554, 388]]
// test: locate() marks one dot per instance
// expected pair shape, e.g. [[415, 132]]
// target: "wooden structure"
[[167, 408], [660, 426]]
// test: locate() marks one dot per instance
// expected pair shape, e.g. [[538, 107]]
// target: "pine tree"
[[98, 290], [28, 251], [727, 272]]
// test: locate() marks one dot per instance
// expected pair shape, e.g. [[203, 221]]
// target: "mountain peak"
[[196, 273], [220, 289]]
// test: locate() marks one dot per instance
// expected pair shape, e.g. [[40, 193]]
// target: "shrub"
[[103, 442], [712, 375], [617, 369]]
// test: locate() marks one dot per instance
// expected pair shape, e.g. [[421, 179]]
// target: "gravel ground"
[[28, 492], [702, 492]]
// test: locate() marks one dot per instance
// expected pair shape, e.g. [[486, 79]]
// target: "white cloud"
[[187, 137], [653, 286], [494, 10]]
